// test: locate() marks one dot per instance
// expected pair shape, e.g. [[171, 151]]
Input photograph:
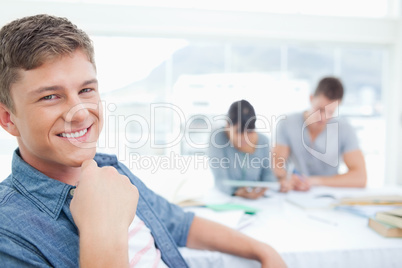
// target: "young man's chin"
[[76, 160]]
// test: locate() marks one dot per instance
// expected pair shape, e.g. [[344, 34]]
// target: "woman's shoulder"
[[262, 138], [219, 136]]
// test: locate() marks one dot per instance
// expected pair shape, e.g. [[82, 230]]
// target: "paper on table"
[[309, 201], [365, 210], [230, 218], [272, 185]]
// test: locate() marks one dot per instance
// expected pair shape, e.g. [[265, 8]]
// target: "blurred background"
[[169, 70]]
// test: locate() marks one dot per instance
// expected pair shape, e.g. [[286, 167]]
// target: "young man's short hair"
[[29, 42], [330, 87]]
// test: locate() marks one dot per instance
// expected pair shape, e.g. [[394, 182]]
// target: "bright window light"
[[355, 8]]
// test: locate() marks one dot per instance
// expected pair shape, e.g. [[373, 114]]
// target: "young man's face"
[[322, 109], [58, 113]]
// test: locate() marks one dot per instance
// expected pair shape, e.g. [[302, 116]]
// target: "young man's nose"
[[76, 110], [323, 115]]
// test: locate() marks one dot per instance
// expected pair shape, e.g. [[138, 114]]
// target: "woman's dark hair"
[[242, 114]]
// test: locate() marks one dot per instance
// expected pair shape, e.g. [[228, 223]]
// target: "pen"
[[296, 172]]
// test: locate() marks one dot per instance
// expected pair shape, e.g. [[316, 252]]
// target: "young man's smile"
[[79, 134]]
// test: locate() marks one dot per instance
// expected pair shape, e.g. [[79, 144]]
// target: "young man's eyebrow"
[[92, 81], [56, 88], [45, 89]]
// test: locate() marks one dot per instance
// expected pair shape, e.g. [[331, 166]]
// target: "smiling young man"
[[315, 140], [49, 101]]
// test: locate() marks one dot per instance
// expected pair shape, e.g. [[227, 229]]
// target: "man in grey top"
[[315, 141]]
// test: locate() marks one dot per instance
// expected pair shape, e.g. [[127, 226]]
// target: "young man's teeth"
[[75, 134]]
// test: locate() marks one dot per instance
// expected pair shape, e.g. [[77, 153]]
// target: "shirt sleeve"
[[176, 220], [219, 166], [16, 254], [349, 141], [282, 136], [266, 173]]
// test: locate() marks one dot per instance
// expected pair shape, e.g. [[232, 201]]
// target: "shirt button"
[[72, 191]]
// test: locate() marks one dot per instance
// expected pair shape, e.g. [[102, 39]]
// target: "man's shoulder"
[[346, 129], [6, 190], [12, 205], [8, 194], [294, 116], [291, 120], [343, 122], [219, 136], [219, 132]]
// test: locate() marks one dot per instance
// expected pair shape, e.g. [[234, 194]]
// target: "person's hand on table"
[[300, 182], [286, 185], [250, 192]]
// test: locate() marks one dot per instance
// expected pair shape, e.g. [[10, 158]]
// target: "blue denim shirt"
[[37, 228]]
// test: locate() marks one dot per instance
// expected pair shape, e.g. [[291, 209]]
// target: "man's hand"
[[286, 185], [103, 207], [250, 192], [300, 183]]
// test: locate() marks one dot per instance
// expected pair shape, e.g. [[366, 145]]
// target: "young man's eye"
[[86, 90], [49, 97]]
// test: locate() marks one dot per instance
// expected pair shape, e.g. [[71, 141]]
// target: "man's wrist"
[[106, 250], [282, 178], [263, 252], [315, 181]]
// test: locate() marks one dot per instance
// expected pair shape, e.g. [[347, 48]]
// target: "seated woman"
[[238, 152]]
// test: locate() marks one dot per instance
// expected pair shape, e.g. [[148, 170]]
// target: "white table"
[[304, 241]]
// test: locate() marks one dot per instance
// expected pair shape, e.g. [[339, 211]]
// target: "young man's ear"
[[6, 121]]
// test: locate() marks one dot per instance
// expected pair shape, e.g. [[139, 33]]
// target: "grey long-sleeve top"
[[228, 163]]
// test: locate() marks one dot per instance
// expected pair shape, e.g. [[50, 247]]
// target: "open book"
[[364, 205], [372, 200]]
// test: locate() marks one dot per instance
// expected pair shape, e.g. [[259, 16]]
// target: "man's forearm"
[[103, 249], [205, 234], [350, 179], [279, 172]]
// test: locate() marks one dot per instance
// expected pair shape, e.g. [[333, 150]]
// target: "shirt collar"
[[47, 194]]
